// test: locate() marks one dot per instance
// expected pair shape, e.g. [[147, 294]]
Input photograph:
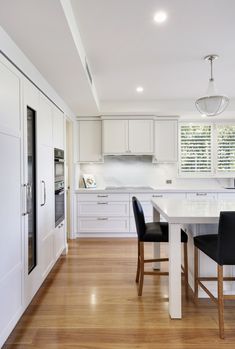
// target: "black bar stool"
[[221, 248], [153, 232]]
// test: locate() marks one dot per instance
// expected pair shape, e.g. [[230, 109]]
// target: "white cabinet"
[[128, 137], [46, 215], [102, 213], [58, 128], [59, 240], [115, 136], [89, 141], [45, 122], [141, 136], [166, 141], [202, 196], [11, 237]]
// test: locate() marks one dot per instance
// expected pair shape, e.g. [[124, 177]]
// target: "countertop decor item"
[[212, 103], [89, 181]]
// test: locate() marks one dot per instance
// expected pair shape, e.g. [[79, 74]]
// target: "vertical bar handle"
[[44, 193]]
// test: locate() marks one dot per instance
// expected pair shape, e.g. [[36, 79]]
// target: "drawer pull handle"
[[201, 194], [102, 203], [102, 219], [157, 196], [102, 196]]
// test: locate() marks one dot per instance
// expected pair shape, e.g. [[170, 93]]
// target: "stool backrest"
[[226, 238], [139, 217]]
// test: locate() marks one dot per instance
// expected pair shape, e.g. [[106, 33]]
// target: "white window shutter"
[[225, 148], [195, 149]]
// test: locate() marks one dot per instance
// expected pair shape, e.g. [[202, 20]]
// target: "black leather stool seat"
[[208, 244], [158, 232]]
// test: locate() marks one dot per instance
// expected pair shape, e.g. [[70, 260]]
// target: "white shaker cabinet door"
[[90, 142], [166, 141], [45, 122], [115, 136], [11, 237], [46, 210], [141, 136], [58, 128]]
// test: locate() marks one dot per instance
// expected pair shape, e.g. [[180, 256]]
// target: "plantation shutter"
[[225, 148], [195, 148]]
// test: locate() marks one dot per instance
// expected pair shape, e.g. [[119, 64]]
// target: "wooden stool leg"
[[138, 264], [186, 269], [141, 268], [220, 301], [195, 274]]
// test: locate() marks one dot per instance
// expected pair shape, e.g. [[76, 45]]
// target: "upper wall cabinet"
[[115, 136], [141, 136], [126, 137], [166, 141], [89, 148], [58, 128]]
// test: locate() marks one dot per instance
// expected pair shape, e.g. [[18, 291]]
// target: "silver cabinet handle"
[[102, 196], [102, 203], [157, 196], [28, 197], [44, 191], [201, 194], [25, 200], [102, 219]]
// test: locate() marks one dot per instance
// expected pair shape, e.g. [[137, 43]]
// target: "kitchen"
[[82, 141]]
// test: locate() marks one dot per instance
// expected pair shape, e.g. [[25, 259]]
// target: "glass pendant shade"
[[212, 103]]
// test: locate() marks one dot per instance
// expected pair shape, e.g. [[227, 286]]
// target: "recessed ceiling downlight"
[[160, 17], [139, 89]]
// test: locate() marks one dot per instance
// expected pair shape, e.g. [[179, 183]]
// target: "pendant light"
[[212, 104]]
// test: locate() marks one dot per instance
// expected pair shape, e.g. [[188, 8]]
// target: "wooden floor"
[[90, 301]]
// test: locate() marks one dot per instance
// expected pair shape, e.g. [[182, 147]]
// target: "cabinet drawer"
[[201, 196], [163, 195], [103, 208], [103, 224], [102, 196]]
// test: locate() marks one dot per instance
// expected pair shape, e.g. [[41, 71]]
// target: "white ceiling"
[[40, 29], [125, 48]]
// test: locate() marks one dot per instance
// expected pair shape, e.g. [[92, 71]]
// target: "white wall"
[[140, 171]]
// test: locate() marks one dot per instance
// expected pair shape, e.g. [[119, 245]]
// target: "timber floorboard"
[[89, 301]]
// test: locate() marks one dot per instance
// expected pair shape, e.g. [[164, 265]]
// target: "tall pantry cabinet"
[[27, 211]]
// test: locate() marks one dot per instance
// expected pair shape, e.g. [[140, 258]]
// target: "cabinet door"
[[141, 136], [115, 136], [166, 140], [45, 122], [46, 207], [59, 240], [58, 128], [90, 149], [11, 237]]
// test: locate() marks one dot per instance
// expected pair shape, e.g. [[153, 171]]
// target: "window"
[[195, 148], [207, 149], [226, 148]]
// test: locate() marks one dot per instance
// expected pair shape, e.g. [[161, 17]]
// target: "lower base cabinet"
[[59, 240]]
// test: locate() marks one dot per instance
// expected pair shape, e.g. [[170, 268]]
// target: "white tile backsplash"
[[140, 171]]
